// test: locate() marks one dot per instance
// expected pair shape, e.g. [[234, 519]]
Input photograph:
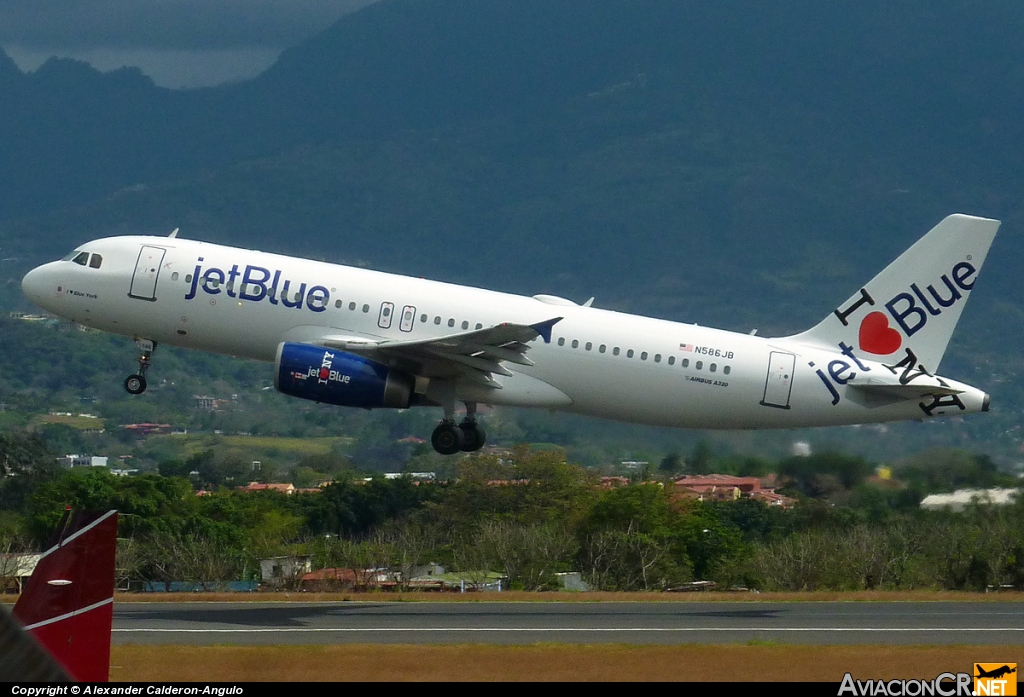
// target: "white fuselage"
[[599, 363]]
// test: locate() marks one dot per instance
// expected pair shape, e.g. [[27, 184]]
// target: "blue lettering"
[[831, 389], [195, 283], [297, 302], [954, 294], [848, 352], [249, 280], [924, 301], [911, 309], [273, 288], [962, 272], [210, 276], [232, 275], [837, 370], [317, 298]]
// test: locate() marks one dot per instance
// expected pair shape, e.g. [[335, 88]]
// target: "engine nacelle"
[[336, 377]]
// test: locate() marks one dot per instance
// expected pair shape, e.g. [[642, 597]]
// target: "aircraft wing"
[[476, 354]]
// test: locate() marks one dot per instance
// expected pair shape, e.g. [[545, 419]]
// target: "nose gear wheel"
[[136, 384]]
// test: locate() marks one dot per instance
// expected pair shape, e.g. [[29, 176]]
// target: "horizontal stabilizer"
[[899, 391]]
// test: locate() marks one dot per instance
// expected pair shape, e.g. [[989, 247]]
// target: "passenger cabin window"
[[713, 367], [643, 356], [337, 304], [726, 370], [602, 348], [699, 365], [575, 343], [615, 351], [423, 319], [561, 341], [82, 259], [685, 363], [465, 325], [96, 261], [629, 353], [589, 346], [451, 322], [671, 360], [352, 307]]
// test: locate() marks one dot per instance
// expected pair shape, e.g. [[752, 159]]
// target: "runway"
[[818, 623]]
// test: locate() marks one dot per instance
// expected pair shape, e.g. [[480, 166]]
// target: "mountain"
[[731, 163], [737, 164]]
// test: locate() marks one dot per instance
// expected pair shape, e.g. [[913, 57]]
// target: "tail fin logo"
[[909, 309], [877, 337]]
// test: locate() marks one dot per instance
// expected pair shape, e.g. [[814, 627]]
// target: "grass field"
[[192, 444], [546, 662]]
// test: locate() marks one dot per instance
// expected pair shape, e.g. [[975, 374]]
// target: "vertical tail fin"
[[910, 309], [68, 603]]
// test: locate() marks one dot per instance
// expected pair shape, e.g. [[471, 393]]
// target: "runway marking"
[[266, 630]]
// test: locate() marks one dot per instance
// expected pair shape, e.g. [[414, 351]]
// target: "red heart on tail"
[[877, 337]]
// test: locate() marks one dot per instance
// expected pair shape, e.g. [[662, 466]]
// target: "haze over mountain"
[[730, 162]]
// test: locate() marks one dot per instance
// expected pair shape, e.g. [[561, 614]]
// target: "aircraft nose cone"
[[36, 284]]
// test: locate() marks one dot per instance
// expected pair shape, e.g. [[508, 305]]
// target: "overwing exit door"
[[779, 384], [147, 269]]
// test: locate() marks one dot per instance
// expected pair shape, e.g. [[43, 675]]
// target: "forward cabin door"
[[779, 384], [147, 269]]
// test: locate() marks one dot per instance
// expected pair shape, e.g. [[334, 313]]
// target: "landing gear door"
[[779, 384], [147, 269]]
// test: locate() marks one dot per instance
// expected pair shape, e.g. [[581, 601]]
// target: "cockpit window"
[[96, 261], [82, 258], [70, 255]]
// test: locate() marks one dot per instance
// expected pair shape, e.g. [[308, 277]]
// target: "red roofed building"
[[258, 486], [700, 482], [725, 487], [773, 499]]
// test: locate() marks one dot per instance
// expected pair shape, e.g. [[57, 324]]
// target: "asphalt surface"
[[821, 623]]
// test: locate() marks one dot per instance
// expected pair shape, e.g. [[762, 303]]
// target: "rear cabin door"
[[147, 269], [779, 384]]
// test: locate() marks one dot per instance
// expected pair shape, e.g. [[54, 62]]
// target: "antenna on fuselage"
[[175, 233], [589, 303]]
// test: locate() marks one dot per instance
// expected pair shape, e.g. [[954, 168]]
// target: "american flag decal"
[[686, 347]]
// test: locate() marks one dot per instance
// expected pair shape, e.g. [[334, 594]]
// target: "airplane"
[[995, 672], [361, 338], [66, 610]]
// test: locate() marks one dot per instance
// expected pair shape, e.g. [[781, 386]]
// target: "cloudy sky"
[[179, 43]]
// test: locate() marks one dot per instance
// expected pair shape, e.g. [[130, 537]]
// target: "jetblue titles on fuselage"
[[256, 284]]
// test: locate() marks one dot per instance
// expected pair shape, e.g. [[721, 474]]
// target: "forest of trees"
[[528, 515]]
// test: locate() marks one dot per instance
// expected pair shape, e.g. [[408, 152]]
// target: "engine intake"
[[336, 377]]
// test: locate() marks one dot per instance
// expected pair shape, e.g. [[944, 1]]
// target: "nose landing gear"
[[449, 438], [136, 384]]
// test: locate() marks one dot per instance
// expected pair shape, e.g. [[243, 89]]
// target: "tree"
[[671, 464], [701, 460]]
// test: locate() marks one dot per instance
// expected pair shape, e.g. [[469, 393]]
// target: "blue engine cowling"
[[336, 377]]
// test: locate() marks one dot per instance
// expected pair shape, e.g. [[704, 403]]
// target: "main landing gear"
[[136, 384], [450, 438]]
